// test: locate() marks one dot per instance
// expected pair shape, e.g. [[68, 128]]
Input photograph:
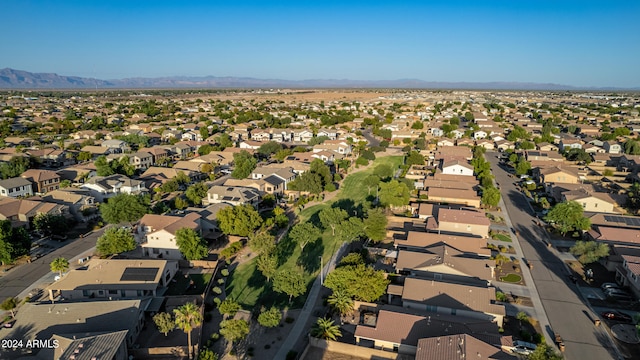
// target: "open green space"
[[182, 284], [511, 278], [249, 288]]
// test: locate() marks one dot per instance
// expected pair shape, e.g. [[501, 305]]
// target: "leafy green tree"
[[326, 329], [632, 147], [383, 171], [115, 241], [262, 242], [124, 208], [394, 193], [164, 322], [191, 244], [268, 265], [290, 282], [375, 225], [544, 352], [304, 233], [331, 218], [234, 330], [84, 156], [491, 196], [282, 154], [196, 192], [187, 318], [568, 216], [350, 229], [589, 251], [578, 155], [240, 220], [341, 302], [317, 140], [523, 166], [371, 182], [229, 307], [414, 158], [180, 203], [308, 181], [59, 265], [354, 258], [51, 224], [206, 354], [360, 282], [270, 318], [245, 163], [9, 304], [269, 148], [14, 242]]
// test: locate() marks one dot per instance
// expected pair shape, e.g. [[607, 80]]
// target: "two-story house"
[[232, 195], [16, 187], [42, 181], [105, 187], [157, 234]]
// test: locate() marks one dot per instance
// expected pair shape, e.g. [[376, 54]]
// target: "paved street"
[[25, 277], [561, 299]]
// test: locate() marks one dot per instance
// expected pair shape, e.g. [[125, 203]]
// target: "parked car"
[[523, 348], [606, 286], [611, 291], [616, 315]]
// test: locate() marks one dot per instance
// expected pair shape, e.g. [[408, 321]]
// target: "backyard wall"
[[348, 349]]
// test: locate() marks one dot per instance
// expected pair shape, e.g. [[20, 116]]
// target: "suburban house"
[[105, 187], [593, 201], [109, 345], [459, 346], [453, 196], [302, 135], [115, 279], [556, 174], [628, 274], [570, 143], [80, 202], [116, 146], [456, 221], [401, 329], [21, 212], [612, 147], [250, 144], [16, 187], [44, 320], [232, 195], [285, 173], [141, 160], [42, 181], [157, 234], [449, 298], [457, 167]]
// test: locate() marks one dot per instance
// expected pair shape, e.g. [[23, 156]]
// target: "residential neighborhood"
[[320, 224]]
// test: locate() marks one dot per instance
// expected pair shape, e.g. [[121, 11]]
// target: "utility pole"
[[321, 272]]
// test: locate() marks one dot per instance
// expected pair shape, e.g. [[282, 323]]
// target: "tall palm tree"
[[60, 265], [188, 317], [326, 329], [341, 302]]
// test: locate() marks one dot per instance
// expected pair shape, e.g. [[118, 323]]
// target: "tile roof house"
[[556, 174], [157, 234], [103, 345], [449, 298], [21, 212], [16, 187], [455, 221], [77, 200], [400, 331], [115, 279], [418, 240], [594, 201], [233, 195], [42, 181], [628, 274], [459, 346], [105, 187], [456, 167], [44, 320], [453, 196]]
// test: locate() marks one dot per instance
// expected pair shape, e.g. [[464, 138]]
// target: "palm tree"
[[326, 329], [188, 317], [341, 302], [60, 265]]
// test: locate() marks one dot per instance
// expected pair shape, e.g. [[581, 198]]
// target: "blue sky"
[[581, 43]]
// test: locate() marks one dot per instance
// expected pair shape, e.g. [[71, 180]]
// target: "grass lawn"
[[511, 278], [247, 285], [181, 284], [502, 237]]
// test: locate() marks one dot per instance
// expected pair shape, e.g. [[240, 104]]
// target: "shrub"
[[215, 336], [221, 281], [216, 290], [217, 301], [224, 272], [500, 296], [525, 335]]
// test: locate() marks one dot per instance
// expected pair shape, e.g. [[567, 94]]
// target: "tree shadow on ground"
[[309, 259], [285, 249]]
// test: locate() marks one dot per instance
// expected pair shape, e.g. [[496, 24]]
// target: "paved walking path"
[[302, 322]]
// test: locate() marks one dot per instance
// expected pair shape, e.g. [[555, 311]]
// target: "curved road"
[[24, 277], [561, 299]]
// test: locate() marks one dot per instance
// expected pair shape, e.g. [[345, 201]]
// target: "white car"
[[523, 347]]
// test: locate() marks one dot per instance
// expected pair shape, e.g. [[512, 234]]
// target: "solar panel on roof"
[[226, 198], [609, 218], [235, 199], [139, 274]]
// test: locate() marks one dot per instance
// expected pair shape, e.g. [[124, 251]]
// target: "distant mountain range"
[[18, 79]]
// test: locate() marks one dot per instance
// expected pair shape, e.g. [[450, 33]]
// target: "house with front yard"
[[556, 174], [105, 187], [21, 212], [595, 201], [612, 147], [157, 234], [80, 202], [476, 302], [16, 187], [115, 279]]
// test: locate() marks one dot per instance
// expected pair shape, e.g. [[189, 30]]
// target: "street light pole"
[[321, 270]]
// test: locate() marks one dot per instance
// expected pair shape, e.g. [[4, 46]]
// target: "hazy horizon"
[[574, 43]]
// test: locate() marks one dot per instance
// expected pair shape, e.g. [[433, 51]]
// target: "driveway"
[[562, 300]]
